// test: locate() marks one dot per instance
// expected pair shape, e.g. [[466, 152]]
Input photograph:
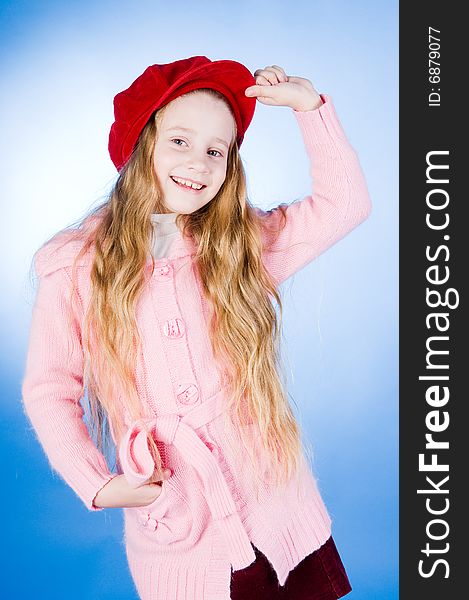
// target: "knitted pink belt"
[[138, 466]]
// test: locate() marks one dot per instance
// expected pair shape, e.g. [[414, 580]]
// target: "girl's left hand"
[[275, 88]]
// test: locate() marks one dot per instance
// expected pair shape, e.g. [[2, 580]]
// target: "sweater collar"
[[181, 246], [163, 217]]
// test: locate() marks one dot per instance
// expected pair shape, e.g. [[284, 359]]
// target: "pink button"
[[174, 328], [188, 393], [164, 271]]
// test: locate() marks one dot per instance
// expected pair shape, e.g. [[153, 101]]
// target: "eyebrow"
[[179, 128]]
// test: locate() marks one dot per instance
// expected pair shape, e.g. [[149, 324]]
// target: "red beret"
[[159, 84]]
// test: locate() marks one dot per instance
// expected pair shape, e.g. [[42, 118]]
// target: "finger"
[[279, 73], [267, 100], [259, 73], [267, 75], [258, 90], [262, 85], [261, 80], [274, 74]]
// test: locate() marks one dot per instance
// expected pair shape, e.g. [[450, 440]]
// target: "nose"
[[198, 161]]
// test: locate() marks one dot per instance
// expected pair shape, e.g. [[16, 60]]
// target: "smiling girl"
[[164, 306]]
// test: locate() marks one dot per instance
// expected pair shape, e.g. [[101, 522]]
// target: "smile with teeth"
[[188, 185]]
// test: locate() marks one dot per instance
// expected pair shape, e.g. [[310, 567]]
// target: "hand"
[[275, 88], [117, 493]]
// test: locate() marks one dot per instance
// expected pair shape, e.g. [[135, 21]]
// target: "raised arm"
[[340, 199], [52, 388]]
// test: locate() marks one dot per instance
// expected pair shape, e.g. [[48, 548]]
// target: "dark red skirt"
[[319, 576]]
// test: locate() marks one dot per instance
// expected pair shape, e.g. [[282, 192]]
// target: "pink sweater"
[[185, 544]]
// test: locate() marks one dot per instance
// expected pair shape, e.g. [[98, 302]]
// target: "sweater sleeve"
[[52, 388], [339, 203]]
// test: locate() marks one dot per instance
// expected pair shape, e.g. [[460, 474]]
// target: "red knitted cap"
[[159, 84]]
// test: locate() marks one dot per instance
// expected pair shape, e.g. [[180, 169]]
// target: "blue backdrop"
[[61, 65]]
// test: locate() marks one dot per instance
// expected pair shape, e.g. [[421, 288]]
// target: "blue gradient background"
[[61, 64]]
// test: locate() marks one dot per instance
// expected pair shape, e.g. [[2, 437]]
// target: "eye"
[[180, 140]]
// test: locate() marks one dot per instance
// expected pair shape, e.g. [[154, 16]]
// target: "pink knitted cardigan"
[[185, 544]]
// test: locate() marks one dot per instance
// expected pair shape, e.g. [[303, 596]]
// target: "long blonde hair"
[[244, 328]]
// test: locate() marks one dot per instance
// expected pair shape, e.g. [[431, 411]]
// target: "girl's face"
[[195, 134]]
